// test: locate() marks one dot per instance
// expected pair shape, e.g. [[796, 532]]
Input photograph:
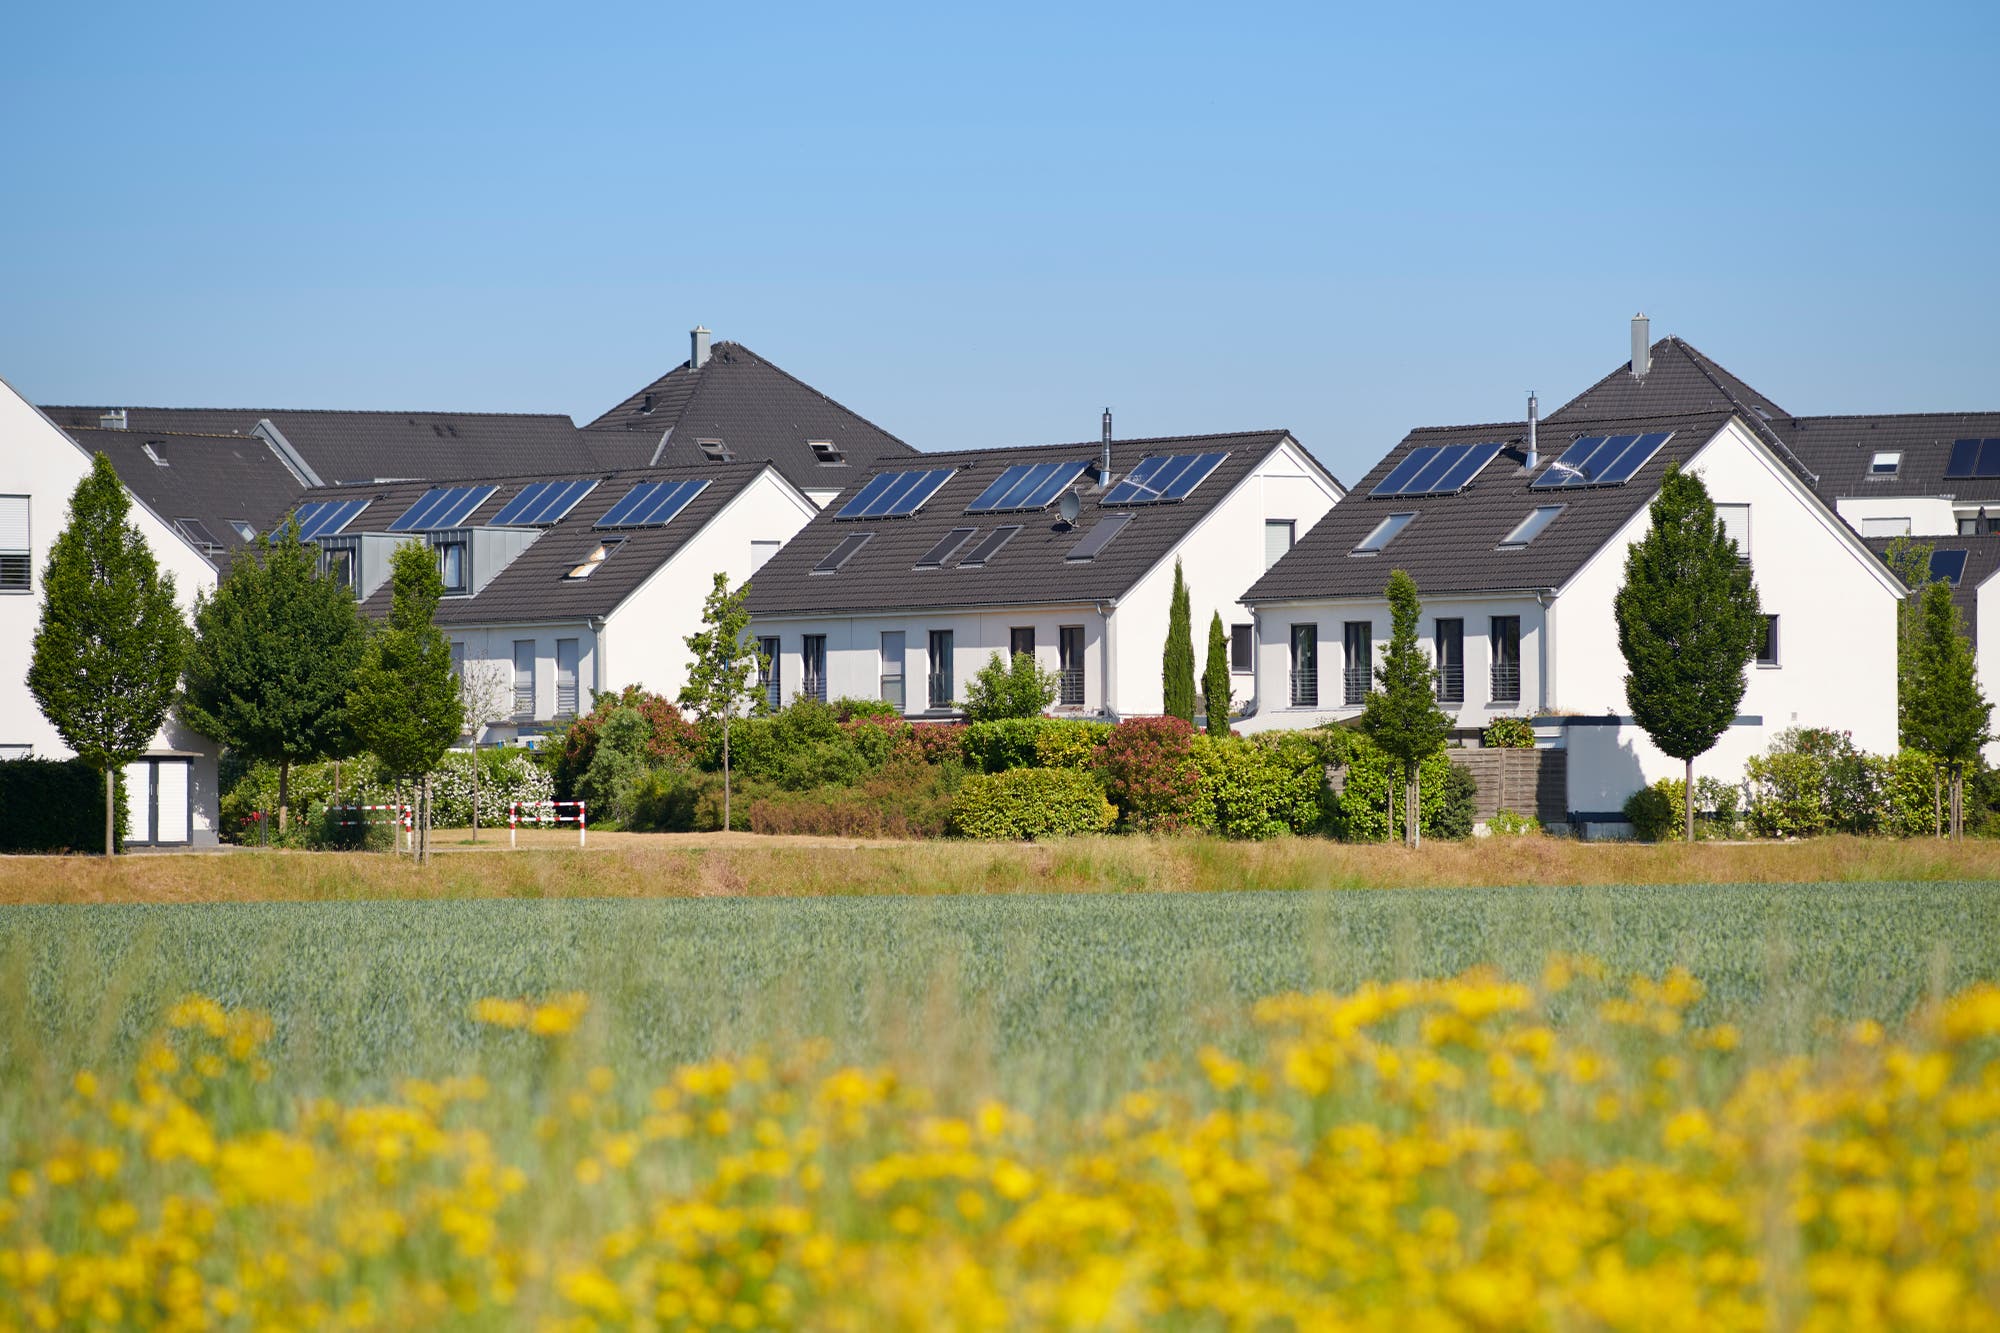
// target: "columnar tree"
[[1945, 714], [1215, 693], [1688, 624], [725, 663], [274, 655], [111, 643], [1177, 663], [1910, 559], [1402, 716], [404, 705]]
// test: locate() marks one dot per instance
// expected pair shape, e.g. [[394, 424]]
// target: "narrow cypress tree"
[[1177, 663], [404, 704], [274, 656], [725, 661], [1215, 694], [1402, 716], [1947, 714], [1688, 624], [109, 649]]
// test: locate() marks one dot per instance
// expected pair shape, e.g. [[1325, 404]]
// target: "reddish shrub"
[[674, 739], [1148, 767]]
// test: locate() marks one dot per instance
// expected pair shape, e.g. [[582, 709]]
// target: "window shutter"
[[1735, 521], [13, 522], [1277, 540]]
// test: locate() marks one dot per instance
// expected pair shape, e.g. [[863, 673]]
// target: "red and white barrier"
[[547, 812], [402, 816]]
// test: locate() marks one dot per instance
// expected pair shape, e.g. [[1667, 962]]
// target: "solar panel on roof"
[[1634, 456], [1099, 537], [1948, 566], [543, 502], [442, 507], [1027, 486], [990, 546], [651, 504], [950, 542], [1602, 460], [843, 550], [1160, 477], [1974, 458], [1435, 469], [323, 518], [895, 494]]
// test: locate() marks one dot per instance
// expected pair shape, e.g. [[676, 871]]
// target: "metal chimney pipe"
[[1534, 412], [1642, 345], [1106, 468], [698, 348]]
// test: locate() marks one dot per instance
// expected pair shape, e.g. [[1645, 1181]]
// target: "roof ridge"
[[769, 364], [688, 472], [1889, 416], [1709, 367], [1276, 432]]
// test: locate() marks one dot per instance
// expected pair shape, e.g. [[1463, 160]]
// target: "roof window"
[[1531, 527], [1885, 463], [826, 451], [602, 552], [1384, 533], [716, 451]]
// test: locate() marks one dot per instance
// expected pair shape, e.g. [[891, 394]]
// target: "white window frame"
[[20, 546]]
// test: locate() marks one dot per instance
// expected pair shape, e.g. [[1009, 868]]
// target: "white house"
[[1516, 535], [573, 583], [171, 792], [908, 583]]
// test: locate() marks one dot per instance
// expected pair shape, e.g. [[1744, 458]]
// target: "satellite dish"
[[1069, 506]]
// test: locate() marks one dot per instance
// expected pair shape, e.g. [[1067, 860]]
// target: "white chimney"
[[112, 420], [1534, 411], [1105, 469], [1642, 345], [698, 348]]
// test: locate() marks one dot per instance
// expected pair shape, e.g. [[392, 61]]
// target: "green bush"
[[1147, 764], [1263, 786], [1370, 778], [1068, 744], [1010, 688], [906, 799], [805, 746], [1513, 824], [1510, 733], [1910, 797], [674, 738], [1812, 781], [996, 746], [850, 709], [1659, 813], [54, 805], [1030, 803]]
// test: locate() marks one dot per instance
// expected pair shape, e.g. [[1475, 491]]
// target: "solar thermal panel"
[[1948, 566], [1099, 537], [946, 545], [989, 546]]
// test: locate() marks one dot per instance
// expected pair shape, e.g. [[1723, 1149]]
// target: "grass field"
[[746, 866]]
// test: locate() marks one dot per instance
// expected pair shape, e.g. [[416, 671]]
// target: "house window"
[[767, 673], [1735, 520], [567, 659], [524, 678], [458, 659], [1305, 666], [1277, 539], [1450, 658], [941, 681], [451, 565], [1506, 645], [339, 562], [1358, 638], [892, 669], [1978, 526], [1020, 639], [1767, 647], [1885, 463], [1382, 534], [1069, 665], [1885, 527], [16, 556], [761, 552], [812, 667], [1242, 650]]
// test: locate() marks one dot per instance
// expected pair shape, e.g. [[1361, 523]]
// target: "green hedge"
[[53, 805], [1031, 803], [1033, 742]]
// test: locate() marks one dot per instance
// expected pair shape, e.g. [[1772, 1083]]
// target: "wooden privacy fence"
[[1529, 782]]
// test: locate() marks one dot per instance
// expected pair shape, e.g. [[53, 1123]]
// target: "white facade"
[[1836, 641], [44, 465], [1121, 639], [643, 641], [1904, 515]]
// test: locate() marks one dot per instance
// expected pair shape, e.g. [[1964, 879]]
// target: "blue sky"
[[981, 226]]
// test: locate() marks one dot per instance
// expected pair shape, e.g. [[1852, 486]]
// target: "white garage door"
[[139, 801], [170, 800]]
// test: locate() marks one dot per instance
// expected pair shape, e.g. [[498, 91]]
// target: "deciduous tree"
[[109, 650], [1402, 716], [725, 662], [1947, 714], [1004, 689], [1688, 624]]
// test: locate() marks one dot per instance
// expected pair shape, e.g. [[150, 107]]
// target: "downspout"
[[1545, 655], [1104, 610], [597, 625]]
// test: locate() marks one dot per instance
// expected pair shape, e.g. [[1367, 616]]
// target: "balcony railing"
[[566, 698], [524, 701], [1506, 682], [1305, 689], [1357, 680], [813, 685], [940, 689], [1451, 684], [1070, 693]]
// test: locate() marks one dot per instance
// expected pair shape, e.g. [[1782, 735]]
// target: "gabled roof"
[[1841, 448], [353, 446], [1032, 568], [1452, 545], [213, 480], [1681, 380], [1982, 559], [533, 587], [758, 412]]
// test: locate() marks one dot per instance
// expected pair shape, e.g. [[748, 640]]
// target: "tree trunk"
[[1392, 812], [1937, 801], [725, 772], [1413, 824], [1688, 800], [110, 811], [475, 784], [1957, 803], [424, 822], [284, 795]]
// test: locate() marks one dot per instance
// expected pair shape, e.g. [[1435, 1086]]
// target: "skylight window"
[[243, 529], [946, 546], [1886, 463], [826, 451], [603, 551], [715, 451], [1531, 527], [1099, 537], [991, 544], [1384, 533]]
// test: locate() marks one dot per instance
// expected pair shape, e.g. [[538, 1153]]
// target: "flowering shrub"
[[1446, 1154], [1148, 767], [1031, 803], [673, 739]]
